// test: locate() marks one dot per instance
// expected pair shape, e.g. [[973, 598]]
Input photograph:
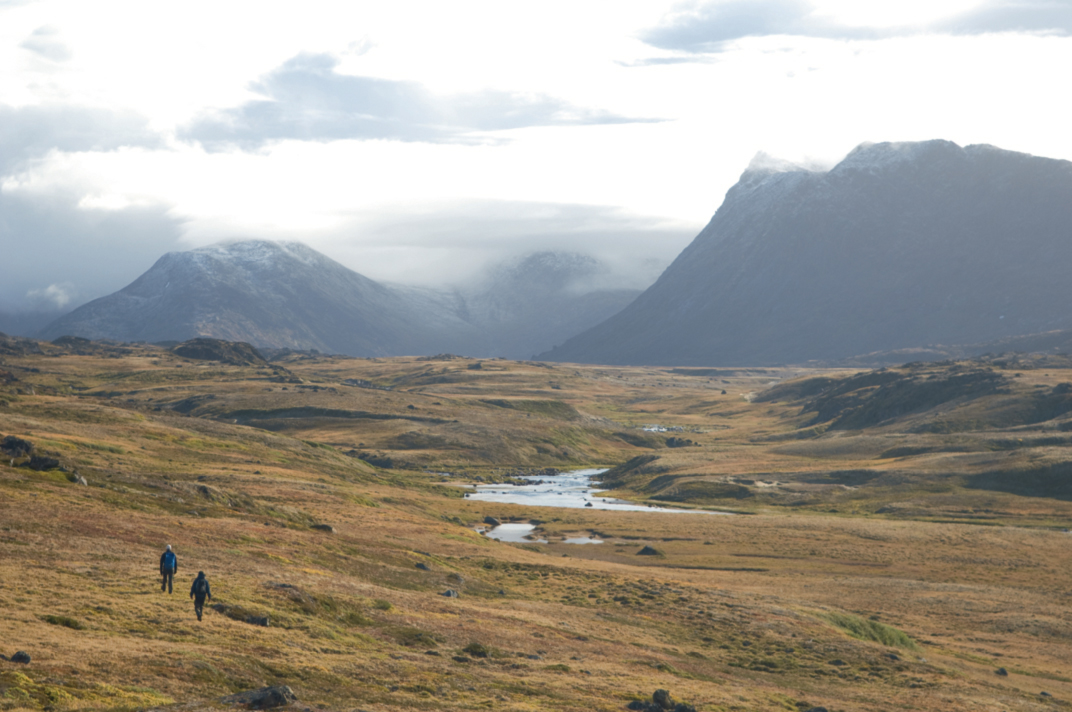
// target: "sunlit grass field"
[[893, 566]]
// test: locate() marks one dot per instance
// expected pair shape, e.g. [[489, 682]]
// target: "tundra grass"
[[790, 607]]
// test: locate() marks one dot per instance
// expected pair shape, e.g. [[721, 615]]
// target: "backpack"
[[200, 587], [169, 561]]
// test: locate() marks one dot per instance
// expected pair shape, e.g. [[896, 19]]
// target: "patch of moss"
[[65, 621], [864, 629]]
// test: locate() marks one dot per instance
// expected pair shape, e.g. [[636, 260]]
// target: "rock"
[[40, 463], [258, 620], [492, 521], [21, 657], [324, 528], [16, 447], [649, 551], [450, 593], [81, 481], [423, 566], [660, 702], [1002, 671], [817, 709], [455, 578], [588, 504], [1045, 694], [263, 698]]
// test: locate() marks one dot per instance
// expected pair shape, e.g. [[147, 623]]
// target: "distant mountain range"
[[287, 295], [898, 249]]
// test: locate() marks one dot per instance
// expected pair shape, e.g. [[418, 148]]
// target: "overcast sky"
[[416, 141]]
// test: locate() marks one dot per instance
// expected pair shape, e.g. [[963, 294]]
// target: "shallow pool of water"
[[572, 490], [514, 532], [581, 540]]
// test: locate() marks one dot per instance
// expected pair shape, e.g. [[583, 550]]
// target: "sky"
[[419, 142]]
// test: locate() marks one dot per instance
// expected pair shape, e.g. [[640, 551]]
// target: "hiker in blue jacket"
[[199, 591], [168, 566]]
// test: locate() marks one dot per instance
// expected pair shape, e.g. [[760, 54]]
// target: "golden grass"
[[755, 612]]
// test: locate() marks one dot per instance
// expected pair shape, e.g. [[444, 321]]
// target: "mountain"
[[899, 246], [287, 295], [526, 305], [283, 295]]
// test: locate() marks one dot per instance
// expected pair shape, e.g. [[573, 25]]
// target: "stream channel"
[[572, 490]]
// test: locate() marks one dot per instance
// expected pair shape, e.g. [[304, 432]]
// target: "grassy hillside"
[[786, 607]]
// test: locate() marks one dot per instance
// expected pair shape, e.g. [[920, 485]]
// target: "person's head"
[[169, 547], [200, 574]]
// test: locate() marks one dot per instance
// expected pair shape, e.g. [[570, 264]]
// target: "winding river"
[[572, 490]]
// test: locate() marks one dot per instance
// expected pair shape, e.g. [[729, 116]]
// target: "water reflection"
[[573, 490]]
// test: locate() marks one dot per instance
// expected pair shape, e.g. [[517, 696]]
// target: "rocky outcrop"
[[661, 701], [235, 353], [16, 447], [264, 698]]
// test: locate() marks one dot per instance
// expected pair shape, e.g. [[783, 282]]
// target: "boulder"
[[423, 566], [1002, 671], [661, 701], [21, 657], [649, 551], [16, 447], [450, 593], [258, 620], [263, 698], [492, 521], [41, 463], [324, 528]]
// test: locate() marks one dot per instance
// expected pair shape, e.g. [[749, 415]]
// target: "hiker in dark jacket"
[[199, 591], [168, 566]]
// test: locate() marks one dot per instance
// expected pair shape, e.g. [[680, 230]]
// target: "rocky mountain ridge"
[[289, 296], [897, 247]]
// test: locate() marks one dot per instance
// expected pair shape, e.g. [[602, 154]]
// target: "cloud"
[[44, 42], [306, 99], [32, 131], [1052, 17], [56, 296], [455, 243], [57, 255], [709, 27]]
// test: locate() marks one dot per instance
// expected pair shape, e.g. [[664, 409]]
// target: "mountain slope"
[[284, 295], [287, 295], [898, 246], [544, 298]]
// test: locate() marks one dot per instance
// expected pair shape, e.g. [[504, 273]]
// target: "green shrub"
[[65, 621], [874, 631]]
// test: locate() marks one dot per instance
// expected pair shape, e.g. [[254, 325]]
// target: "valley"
[[899, 539]]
